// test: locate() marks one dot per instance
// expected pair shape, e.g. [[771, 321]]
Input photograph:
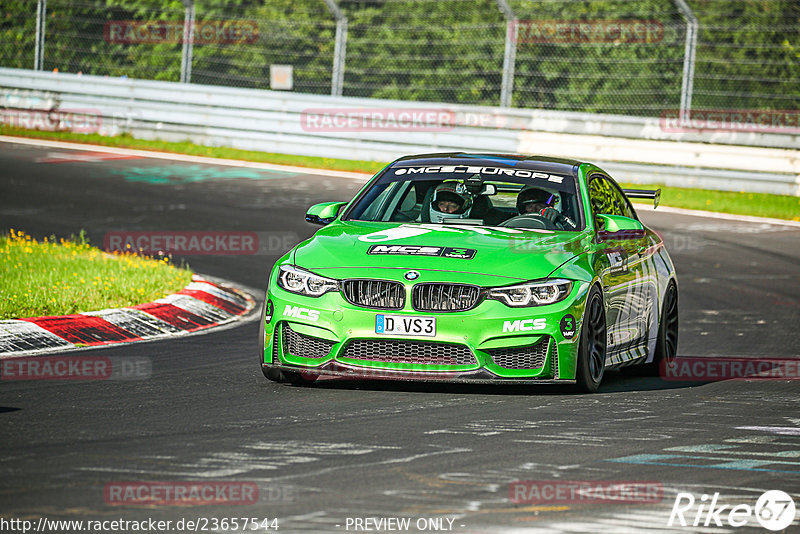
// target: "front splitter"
[[480, 376]]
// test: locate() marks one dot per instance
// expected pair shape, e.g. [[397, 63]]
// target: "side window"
[[622, 201], [607, 198], [601, 197]]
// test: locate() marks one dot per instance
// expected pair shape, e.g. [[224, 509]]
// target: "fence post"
[[339, 48], [509, 55], [188, 41], [38, 56], [688, 60]]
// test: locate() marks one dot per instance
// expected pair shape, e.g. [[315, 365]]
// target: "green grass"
[[756, 204], [70, 276]]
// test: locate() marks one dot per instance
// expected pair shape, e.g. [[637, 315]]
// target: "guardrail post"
[[188, 41], [509, 55], [339, 48], [688, 60], [38, 56]]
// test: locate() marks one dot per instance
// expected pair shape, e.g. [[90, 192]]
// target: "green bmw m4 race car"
[[474, 268]]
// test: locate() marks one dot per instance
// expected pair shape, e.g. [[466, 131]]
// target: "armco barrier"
[[632, 148]]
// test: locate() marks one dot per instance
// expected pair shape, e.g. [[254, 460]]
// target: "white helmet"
[[453, 193]]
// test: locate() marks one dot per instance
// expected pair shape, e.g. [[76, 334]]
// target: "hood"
[[513, 254]]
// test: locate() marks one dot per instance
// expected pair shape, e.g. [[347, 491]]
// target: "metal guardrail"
[[637, 149]]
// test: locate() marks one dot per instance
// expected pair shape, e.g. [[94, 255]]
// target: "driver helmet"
[[533, 199], [450, 200]]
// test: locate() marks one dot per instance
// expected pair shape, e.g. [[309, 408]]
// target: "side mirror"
[[324, 213], [618, 223]]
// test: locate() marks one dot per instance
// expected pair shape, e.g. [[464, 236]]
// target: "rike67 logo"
[[774, 510]]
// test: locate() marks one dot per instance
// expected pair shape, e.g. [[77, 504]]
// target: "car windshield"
[[468, 195]]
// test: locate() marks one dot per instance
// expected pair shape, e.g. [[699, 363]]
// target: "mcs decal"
[[524, 325]]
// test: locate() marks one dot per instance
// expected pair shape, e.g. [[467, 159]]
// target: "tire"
[[275, 375], [667, 340], [592, 344], [296, 378]]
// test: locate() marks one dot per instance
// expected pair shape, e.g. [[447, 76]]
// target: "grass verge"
[[185, 147], [63, 277], [755, 204]]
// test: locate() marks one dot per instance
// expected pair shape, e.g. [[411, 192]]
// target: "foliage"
[[748, 54]]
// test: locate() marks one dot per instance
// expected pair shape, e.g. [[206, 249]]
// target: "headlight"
[[536, 293], [297, 280]]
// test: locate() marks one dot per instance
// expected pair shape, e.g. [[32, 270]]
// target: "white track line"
[[182, 157], [340, 174], [715, 215]]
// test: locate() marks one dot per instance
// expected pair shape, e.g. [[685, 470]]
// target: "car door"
[[625, 272]]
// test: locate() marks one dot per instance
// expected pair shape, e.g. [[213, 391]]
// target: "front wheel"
[[592, 344], [296, 378]]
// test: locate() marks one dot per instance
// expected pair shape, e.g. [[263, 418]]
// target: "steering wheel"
[[529, 220]]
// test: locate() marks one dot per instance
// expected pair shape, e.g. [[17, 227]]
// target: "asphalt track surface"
[[325, 455]]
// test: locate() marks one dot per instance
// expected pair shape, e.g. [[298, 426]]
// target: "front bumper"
[[335, 369], [489, 343]]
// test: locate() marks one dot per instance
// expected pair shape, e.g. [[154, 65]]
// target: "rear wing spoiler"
[[644, 193]]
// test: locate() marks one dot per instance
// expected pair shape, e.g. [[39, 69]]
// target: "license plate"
[[405, 325]]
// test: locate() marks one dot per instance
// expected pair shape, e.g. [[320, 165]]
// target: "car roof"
[[519, 161]]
